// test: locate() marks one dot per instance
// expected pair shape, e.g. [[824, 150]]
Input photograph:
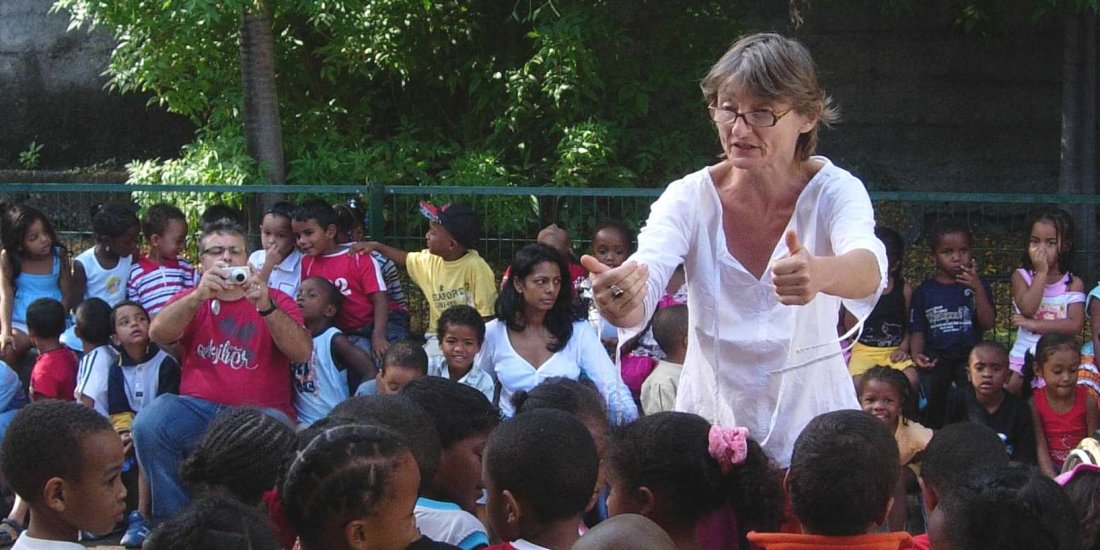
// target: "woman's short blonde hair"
[[773, 67]]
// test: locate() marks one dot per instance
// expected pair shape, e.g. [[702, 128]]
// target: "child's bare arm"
[[1092, 415], [916, 350], [7, 297], [1094, 312], [77, 285], [379, 343], [905, 346], [1027, 296], [1045, 463], [353, 357], [1072, 324], [65, 281], [365, 247]]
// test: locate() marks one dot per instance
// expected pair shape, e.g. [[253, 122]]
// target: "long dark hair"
[[509, 308], [16, 221]]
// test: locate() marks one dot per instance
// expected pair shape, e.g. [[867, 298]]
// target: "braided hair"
[[244, 453], [345, 472], [897, 380], [215, 521]]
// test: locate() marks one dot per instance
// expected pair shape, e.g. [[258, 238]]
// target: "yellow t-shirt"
[[912, 437], [465, 281]]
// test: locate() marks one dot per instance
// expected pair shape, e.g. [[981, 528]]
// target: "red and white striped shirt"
[[152, 284]]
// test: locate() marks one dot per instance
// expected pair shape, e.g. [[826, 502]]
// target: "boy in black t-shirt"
[[948, 315]]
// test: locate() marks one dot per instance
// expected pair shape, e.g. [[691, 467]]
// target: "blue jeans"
[[164, 435]]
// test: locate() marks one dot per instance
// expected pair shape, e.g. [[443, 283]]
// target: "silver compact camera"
[[237, 275]]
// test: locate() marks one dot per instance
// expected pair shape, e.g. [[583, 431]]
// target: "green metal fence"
[[512, 216]]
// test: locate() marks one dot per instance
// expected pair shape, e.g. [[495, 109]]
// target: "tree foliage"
[[560, 92]]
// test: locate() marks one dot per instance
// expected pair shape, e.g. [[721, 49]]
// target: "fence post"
[[376, 194]]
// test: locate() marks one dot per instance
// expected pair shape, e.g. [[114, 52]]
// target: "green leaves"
[[535, 92]]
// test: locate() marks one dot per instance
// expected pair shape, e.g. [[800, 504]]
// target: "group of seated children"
[[435, 467]]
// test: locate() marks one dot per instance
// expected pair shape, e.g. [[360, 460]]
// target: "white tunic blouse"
[[752, 361], [582, 354]]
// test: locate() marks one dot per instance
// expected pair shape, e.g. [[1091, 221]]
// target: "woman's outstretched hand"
[[618, 292]]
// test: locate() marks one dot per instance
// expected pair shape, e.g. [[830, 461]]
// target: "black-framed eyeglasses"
[[757, 119], [215, 251]]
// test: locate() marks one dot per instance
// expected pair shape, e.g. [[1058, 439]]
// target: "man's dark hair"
[[46, 440], [843, 471], [218, 212], [221, 226], [46, 318]]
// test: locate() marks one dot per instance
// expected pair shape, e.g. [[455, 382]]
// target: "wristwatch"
[[269, 310]]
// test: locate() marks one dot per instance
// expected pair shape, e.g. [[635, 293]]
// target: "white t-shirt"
[[286, 276], [449, 523], [108, 285], [321, 384], [752, 361], [91, 378], [475, 378], [26, 542], [582, 354]]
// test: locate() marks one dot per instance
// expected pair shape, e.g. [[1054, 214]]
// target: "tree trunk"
[[262, 125], [1077, 174]]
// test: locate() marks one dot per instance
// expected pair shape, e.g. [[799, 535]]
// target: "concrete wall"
[[51, 92]]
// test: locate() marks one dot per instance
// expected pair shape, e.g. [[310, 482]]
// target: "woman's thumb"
[[791, 238], [593, 265]]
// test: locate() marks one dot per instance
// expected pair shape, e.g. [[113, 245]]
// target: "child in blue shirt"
[[948, 315], [336, 366]]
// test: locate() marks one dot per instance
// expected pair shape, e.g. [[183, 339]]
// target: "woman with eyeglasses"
[[773, 239]]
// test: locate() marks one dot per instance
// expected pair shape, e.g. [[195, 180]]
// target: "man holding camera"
[[236, 340]]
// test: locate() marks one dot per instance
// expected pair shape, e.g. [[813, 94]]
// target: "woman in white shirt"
[[538, 335], [773, 241]]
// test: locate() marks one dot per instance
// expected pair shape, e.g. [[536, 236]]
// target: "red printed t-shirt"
[[356, 276], [227, 355], [54, 374]]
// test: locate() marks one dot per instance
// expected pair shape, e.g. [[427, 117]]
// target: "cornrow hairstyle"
[[218, 212], [510, 302], [113, 219], [947, 226], [399, 414], [345, 472], [318, 210], [1063, 227], [215, 521], [667, 452], [406, 354], [461, 316], [1009, 508], [547, 460], [156, 218], [457, 410], [580, 399], [45, 440], [959, 451], [1049, 344], [332, 294], [14, 224], [95, 321], [670, 326], [46, 318], [244, 453], [897, 380], [616, 225], [843, 470]]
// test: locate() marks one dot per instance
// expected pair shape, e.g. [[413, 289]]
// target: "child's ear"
[[114, 340], [646, 501], [331, 311], [154, 240], [513, 511], [331, 230], [355, 535], [54, 493], [930, 495]]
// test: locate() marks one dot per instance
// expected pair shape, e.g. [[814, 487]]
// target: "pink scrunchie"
[[728, 446]]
